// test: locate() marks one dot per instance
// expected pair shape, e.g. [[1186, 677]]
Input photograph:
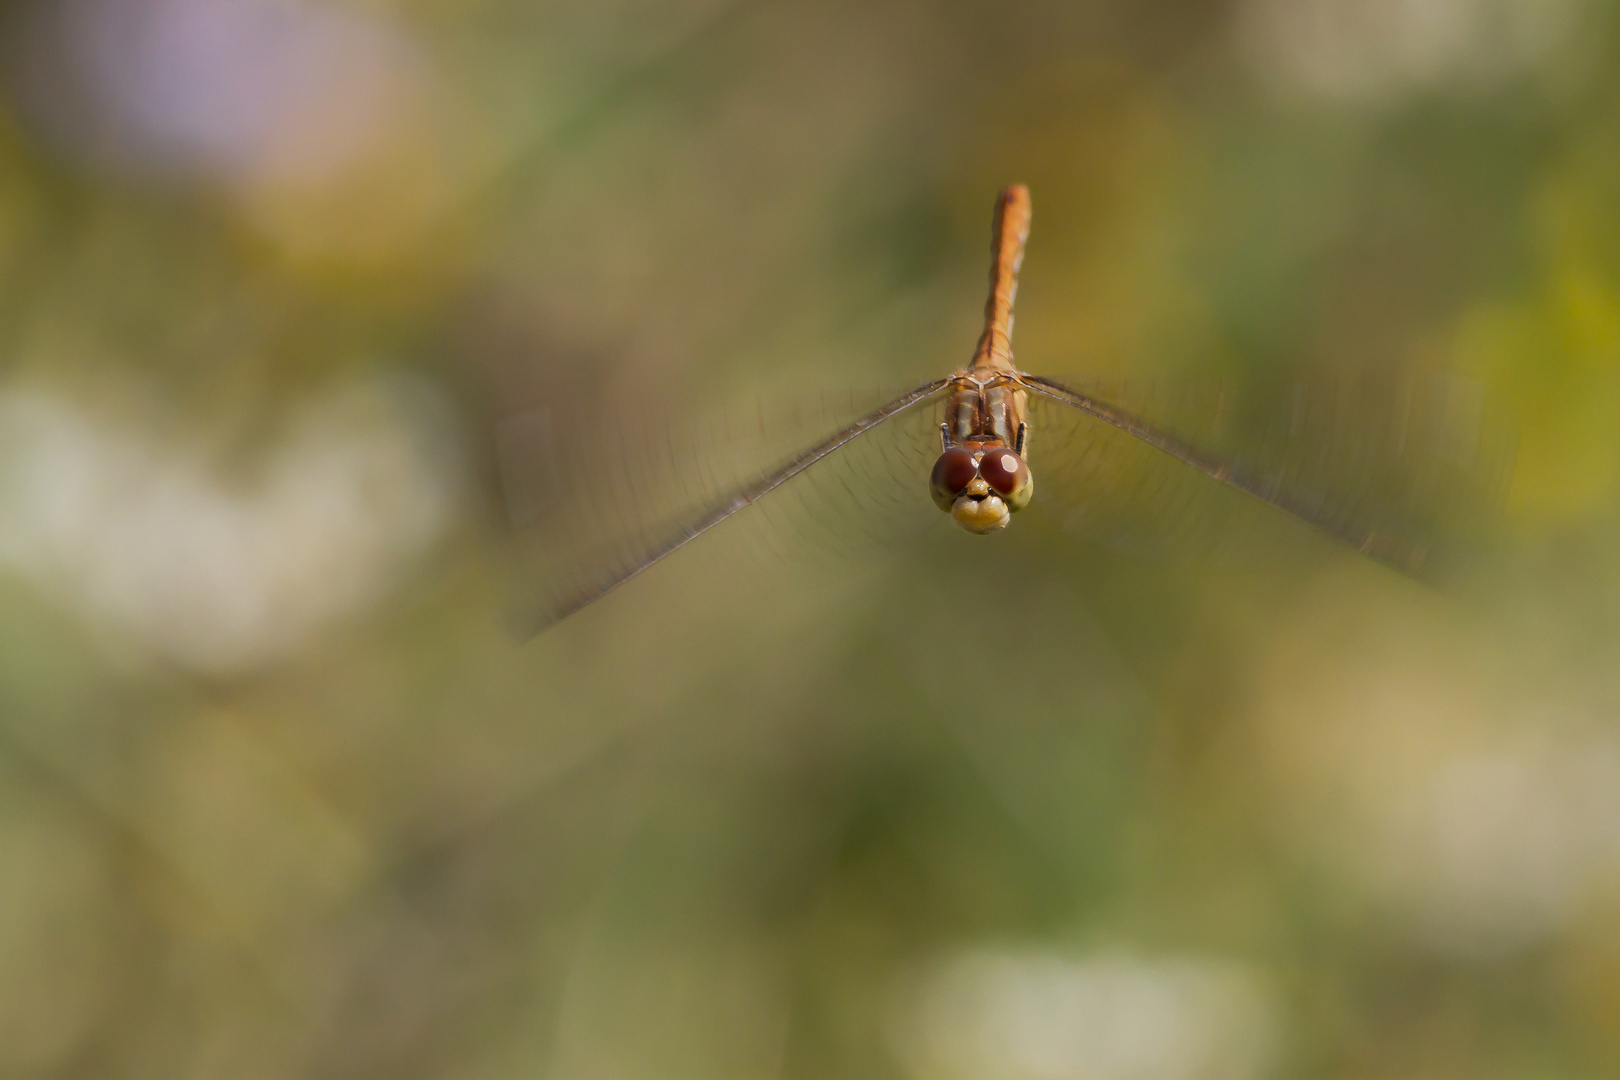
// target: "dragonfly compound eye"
[[1006, 472], [953, 472]]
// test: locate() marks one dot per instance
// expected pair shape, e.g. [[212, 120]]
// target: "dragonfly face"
[[981, 485]]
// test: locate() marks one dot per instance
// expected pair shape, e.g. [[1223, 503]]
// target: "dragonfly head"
[[980, 486]]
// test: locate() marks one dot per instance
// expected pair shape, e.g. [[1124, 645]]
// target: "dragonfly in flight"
[[983, 472]]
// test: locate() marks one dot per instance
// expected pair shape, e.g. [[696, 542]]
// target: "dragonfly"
[[983, 471]]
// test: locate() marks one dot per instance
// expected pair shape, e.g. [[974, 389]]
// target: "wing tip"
[[523, 625], [1403, 555]]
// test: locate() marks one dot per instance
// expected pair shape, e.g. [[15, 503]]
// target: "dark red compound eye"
[[952, 472], [1003, 470]]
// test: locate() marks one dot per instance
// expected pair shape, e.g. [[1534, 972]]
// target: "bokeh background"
[[280, 798]]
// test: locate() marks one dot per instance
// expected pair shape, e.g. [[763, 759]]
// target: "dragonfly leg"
[[945, 442], [1023, 437]]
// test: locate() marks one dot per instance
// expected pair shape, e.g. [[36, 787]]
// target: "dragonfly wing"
[[1388, 466], [593, 504]]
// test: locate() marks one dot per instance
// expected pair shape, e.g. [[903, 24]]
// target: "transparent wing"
[[599, 490], [1398, 467]]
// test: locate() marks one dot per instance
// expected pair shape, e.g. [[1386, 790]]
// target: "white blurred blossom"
[[1371, 49], [1003, 1015], [148, 538], [1500, 845], [1479, 815]]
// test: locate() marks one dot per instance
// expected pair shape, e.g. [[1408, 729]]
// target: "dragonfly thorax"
[[985, 410]]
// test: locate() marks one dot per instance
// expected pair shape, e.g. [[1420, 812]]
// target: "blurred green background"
[[278, 798]]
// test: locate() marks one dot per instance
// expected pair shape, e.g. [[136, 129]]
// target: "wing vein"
[[720, 509], [1271, 489]]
